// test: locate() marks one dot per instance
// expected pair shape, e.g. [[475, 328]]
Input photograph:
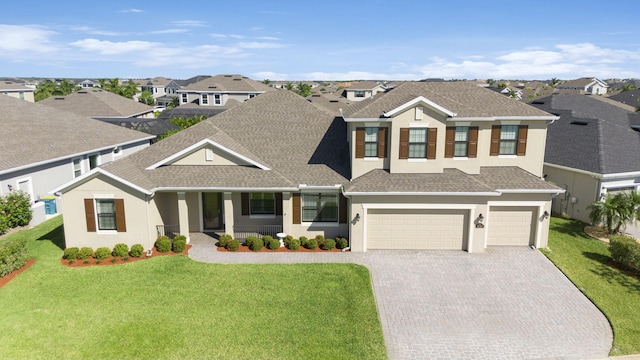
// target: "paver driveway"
[[507, 303]]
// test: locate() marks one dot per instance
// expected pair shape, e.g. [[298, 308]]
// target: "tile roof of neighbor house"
[[300, 142], [10, 85], [464, 99], [227, 83], [34, 133], [591, 135], [97, 102]]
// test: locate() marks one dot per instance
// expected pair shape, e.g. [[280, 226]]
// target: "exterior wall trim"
[[415, 101], [93, 173]]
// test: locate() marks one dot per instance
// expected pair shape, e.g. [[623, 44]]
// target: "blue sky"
[[321, 40]]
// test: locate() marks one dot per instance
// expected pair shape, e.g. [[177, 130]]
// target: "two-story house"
[[16, 90], [363, 90], [584, 85], [424, 166], [220, 89]]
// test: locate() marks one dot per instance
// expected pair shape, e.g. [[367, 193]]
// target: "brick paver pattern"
[[506, 303]]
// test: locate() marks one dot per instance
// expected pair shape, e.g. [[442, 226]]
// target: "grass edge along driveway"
[[173, 307], [587, 263]]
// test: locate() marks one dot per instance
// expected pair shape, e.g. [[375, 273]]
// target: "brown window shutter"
[[495, 140], [382, 142], [297, 212], [342, 210], [90, 215], [473, 142], [278, 203], [432, 138], [404, 143], [121, 223], [360, 143], [450, 139], [244, 199], [522, 140]]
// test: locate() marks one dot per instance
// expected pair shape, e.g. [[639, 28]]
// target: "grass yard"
[[176, 308], [586, 262]]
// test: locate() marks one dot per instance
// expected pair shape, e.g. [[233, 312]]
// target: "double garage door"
[[446, 229], [416, 229]]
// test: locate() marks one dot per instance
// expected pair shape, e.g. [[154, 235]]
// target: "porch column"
[[183, 215], [287, 213], [228, 213]]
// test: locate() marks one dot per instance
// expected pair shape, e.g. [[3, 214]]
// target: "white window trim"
[[464, 157], [417, 160], [73, 170], [95, 213], [507, 156], [184, 98], [320, 223], [29, 182]]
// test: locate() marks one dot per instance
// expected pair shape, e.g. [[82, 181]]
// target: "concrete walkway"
[[507, 303]]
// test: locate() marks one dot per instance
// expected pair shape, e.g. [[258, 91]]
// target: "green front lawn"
[[176, 308], [587, 263]]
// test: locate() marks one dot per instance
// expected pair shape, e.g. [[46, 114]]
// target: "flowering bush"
[[15, 210]]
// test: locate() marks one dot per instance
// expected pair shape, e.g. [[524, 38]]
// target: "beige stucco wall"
[[583, 188], [198, 157], [26, 95], [531, 162], [476, 205], [139, 228]]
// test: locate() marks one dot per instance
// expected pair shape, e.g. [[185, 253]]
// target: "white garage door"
[[416, 229], [510, 225]]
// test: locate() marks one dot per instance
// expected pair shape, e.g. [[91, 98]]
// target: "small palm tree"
[[614, 211], [627, 87]]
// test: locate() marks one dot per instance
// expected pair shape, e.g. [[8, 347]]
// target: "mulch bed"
[[5, 279], [119, 260], [245, 248]]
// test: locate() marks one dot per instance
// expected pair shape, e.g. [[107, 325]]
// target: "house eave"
[[502, 118], [532, 191], [93, 173], [366, 119], [419, 193], [225, 189], [415, 101]]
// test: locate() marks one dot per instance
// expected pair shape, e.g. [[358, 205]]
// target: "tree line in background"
[[65, 87]]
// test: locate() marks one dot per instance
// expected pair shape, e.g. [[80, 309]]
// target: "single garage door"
[[416, 229], [511, 225]]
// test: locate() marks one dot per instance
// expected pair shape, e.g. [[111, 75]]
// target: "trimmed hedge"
[[625, 251], [13, 255], [293, 244], [232, 245], [70, 253], [328, 244], [120, 250], [84, 253], [270, 242], [136, 250], [341, 242], [311, 244], [179, 243], [102, 253], [163, 244], [224, 239], [254, 243]]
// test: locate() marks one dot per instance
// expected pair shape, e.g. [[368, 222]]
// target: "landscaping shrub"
[[120, 250], [250, 239], [13, 255], [294, 244], [255, 244], [303, 241], [70, 253], [311, 244], [16, 207], [341, 242], [320, 240], [84, 253], [270, 242], [179, 244], [136, 250], [224, 238], [232, 245], [102, 253], [328, 244], [163, 244], [4, 224], [625, 250]]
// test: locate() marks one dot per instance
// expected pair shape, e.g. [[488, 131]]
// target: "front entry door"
[[212, 211]]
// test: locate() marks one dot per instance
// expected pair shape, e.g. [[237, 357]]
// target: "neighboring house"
[[363, 90], [628, 97], [159, 87], [88, 83], [43, 148], [16, 90], [220, 89], [424, 166], [591, 150], [585, 85], [329, 101], [112, 108]]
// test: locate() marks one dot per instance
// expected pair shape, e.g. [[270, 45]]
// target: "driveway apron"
[[506, 303]]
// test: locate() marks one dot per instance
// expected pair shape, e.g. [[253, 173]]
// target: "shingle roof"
[[222, 83], [581, 82], [464, 99], [628, 97], [97, 102], [10, 85], [330, 102], [364, 85], [591, 135], [300, 142], [33, 133], [490, 179]]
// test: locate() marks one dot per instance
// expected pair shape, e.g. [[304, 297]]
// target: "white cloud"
[[25, 39], [93, 31], [103, 47], [190, 23], [226, 36], [131, 11], [169, 31], [259, 45]]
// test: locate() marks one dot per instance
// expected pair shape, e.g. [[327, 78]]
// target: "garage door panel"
[[511, 225], [416, 229]]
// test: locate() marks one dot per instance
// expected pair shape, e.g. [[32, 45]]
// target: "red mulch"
[[5, 280], [245, 248], [119, 260]]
